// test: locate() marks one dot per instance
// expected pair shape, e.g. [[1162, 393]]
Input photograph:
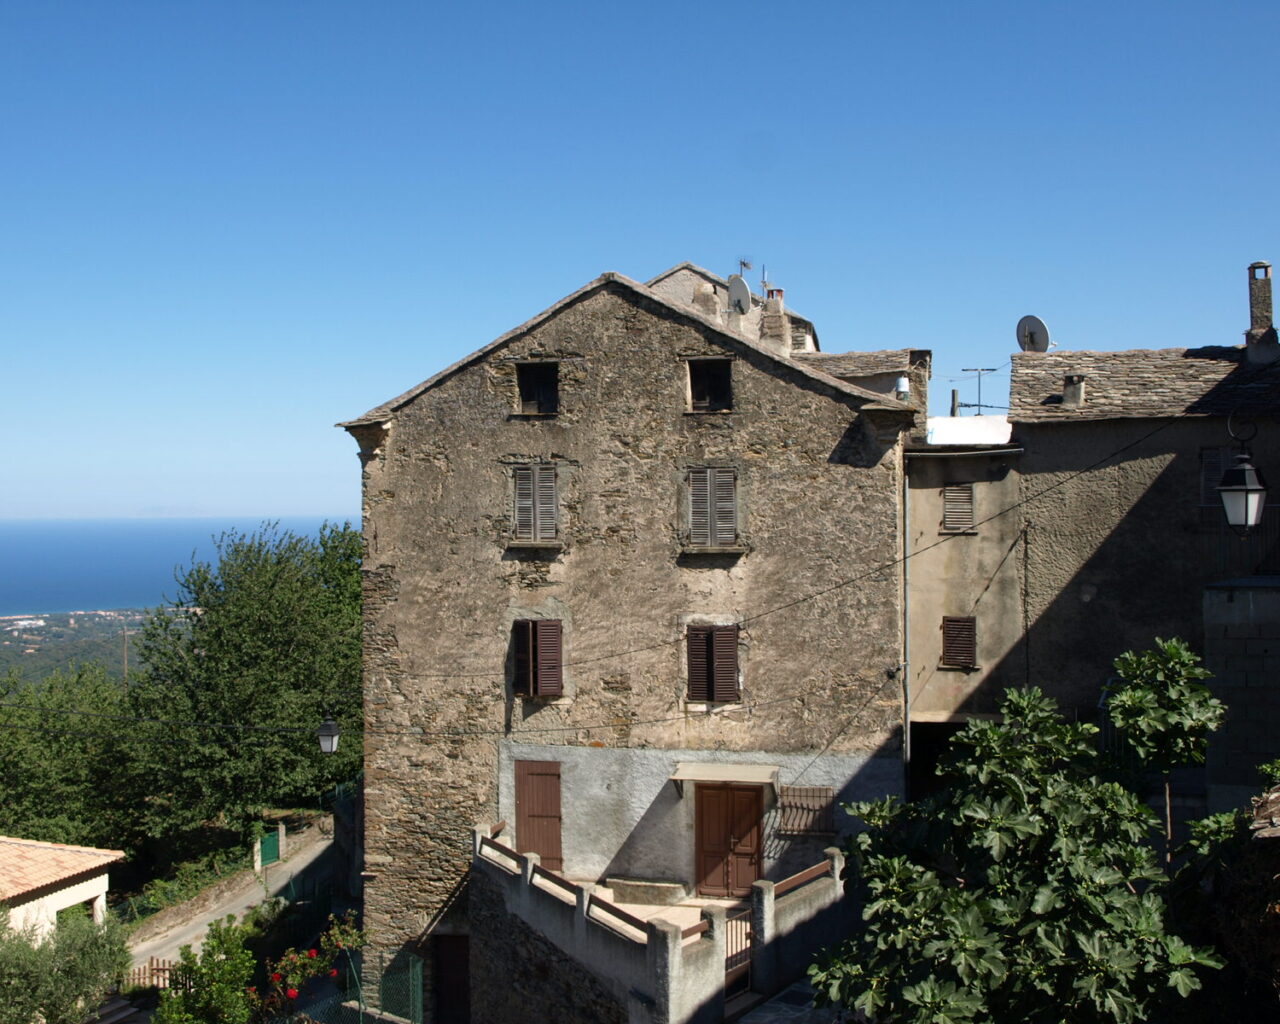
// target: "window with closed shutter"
[[539, 658], [957, 507], [1213, 463], [713, 663], [959, 641], [536, 502], [713, 506]]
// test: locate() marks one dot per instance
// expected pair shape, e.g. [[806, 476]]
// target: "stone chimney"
[[775, 325], [1260, 338], [1073, 390]]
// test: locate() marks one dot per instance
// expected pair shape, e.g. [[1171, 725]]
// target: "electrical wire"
[[1165, 424]]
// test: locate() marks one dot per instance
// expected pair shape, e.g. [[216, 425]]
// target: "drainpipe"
[[905, 667]]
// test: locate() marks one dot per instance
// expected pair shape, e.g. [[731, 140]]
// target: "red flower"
[[292, 993], [333, 972], [311, 953], [275, 977], [251, 990]]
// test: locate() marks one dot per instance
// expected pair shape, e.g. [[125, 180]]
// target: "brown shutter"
[[726, 507], [957, 507], [698, 642], [538, 816], [550, 677], [522, 681], [545, 502], [700, 506], [959, 642], [724, 673], [524, 503]]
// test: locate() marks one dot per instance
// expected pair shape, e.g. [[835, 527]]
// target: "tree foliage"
[[1027, 891], [59, 978], [256, 649], [62, 774], [1161, 706]]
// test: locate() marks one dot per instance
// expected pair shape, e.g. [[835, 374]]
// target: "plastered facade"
[[814, 585]]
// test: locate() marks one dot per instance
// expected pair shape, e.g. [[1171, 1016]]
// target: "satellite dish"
[[1033, 335], [739, 294]]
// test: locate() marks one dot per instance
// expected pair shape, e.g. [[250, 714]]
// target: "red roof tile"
[[26, 865]]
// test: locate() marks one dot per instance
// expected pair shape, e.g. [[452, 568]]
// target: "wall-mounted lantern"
[[1243, 493]]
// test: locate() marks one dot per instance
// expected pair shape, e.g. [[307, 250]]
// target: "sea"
[[68, 565]]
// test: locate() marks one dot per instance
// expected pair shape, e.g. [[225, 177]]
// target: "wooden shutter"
[[700, 506], [549, 676], [545, 503], [959, 642], [1213, 463], [522, 681], [524, 503], [957, 507], [724, 654], [725, 492], [538, 815], [698, 643]]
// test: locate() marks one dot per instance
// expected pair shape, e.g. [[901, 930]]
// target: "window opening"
[[539, 388], [807, 810], [710, 385], [536, 502], [713, 663], [538, 658]]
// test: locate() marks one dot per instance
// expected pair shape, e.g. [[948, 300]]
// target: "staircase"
[[118, 1010]]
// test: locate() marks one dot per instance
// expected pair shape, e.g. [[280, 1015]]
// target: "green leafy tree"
[[213, 987], [1025, 892], [60, 978], [1164, 712], [64, 775], [255, 650]]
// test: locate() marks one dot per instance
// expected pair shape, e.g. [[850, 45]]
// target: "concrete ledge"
[[654, 894]]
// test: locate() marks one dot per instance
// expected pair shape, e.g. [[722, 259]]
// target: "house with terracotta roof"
[[38, 880], [633, 608]]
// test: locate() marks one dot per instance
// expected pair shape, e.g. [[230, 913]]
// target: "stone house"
[[632, 588], [1093, 528]]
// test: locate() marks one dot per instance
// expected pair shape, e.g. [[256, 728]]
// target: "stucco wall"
[[623, 816], [820, 485], [1120, 551], [42, 912], [975, 573]]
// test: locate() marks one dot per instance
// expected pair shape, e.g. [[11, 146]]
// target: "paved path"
[[248, 894], [793, 1005]]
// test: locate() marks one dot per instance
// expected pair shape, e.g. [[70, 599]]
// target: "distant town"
[[37, 644]]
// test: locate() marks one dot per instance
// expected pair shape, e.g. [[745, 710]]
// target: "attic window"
[[539, 388], [710, 385]]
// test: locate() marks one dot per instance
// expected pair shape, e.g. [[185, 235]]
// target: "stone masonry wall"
[[517, 975], [818, 593]]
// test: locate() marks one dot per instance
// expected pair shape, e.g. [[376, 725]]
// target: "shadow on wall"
[[1089, 592]]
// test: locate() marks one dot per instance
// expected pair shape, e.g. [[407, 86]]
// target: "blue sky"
[[228, 225]]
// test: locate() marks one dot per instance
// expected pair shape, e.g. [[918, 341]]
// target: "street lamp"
[[1243, 493], [328, 735]]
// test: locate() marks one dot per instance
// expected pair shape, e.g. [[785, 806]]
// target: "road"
[[191, 932]]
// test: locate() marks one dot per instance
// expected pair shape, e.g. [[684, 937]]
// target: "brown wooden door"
[[538, 811], [727, 831]]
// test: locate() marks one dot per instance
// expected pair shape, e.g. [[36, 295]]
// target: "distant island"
[[39, 644]]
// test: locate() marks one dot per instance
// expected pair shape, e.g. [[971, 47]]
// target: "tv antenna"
[[1033, 336], [979, 371]]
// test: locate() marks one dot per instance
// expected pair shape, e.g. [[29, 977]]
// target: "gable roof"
[[1211, 381], [27, 865], [383, 412]]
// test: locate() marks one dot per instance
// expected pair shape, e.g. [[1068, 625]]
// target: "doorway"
[[727, 838], [538, 811]]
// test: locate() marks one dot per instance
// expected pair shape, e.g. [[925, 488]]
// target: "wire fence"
[[369, 990]]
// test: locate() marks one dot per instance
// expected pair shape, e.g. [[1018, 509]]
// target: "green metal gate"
[[269, 847]]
